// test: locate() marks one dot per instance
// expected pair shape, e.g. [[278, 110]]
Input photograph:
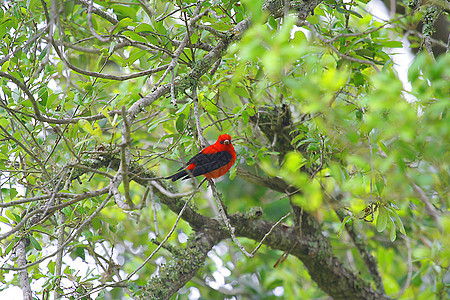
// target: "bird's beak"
[[226, 142]]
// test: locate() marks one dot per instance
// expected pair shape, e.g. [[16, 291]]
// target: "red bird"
[[212, 162]]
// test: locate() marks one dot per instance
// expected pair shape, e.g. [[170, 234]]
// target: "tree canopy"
[[340, 186]]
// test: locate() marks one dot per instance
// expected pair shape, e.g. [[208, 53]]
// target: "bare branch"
[[213, 31], [99, 12], [165, 238], [125, 157], [59, 256], [202, 139], [429, 208], [410, 267], [356, 34], [91, 26], [24, 279], [155, 214], [172, 89], [167, 193], [225, 219], [269, 232]]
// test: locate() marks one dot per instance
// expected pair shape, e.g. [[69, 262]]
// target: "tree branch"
[[23, 273]]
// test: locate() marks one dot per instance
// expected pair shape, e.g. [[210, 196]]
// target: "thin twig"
[[202, 139], [53, 197], [166, 192], [101, 13], [109, 76], [43, 197], [226, 220], [269, 232], [59, 256], [172, 89], [155, 214], [91, 26], [410, 267], [160, 18], [213, 31], [125, 156], [429, 208], [77, 198], [371, 165], [164, 240]]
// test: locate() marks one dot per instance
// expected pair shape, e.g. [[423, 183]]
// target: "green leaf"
[[135, 55], [293, 161], [398, 222], [383, 147], [12, 193], [11, 245], [392, 234], [87, 234], [5, 66], [346, 220], [43, 96], [104, 112], [12, 216], [51, 99], [250, 109], [379, 183], [382, 219], [97, 130], [244, 117], [211, 107], [35, 243], [297, 138], [144, 27], [273, 23], [4, 220], [86, 126], [51, 267], [180, 123], [392, 44], [96, 224], [134, 36], [233, 172]]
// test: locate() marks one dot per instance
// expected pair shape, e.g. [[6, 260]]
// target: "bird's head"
[[224, 139]]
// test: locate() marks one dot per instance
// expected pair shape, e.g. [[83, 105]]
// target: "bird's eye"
[[221, 142]]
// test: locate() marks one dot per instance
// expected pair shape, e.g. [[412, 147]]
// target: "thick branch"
[[182, 268]]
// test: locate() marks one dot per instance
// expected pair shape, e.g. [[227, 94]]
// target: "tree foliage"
[[341, 181]]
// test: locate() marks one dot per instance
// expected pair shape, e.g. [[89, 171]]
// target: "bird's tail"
[[178, 175]]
